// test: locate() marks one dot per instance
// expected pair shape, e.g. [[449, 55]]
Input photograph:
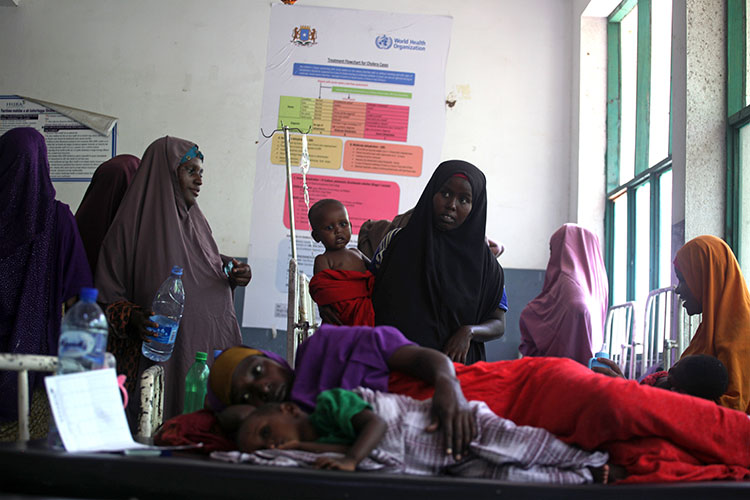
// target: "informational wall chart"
[[368, 89], [74, 150]]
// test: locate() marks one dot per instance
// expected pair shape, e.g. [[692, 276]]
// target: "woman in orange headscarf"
[[711, 282]]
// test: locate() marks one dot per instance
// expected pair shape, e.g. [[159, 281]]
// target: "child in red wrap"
[[341, 280]]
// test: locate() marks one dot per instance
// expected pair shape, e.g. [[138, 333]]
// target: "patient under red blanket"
[[348, 292], [657, 435]]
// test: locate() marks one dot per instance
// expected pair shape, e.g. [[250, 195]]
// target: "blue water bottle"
[[603, 353], [167, 308]]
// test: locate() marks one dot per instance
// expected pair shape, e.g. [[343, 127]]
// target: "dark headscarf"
[[42, 262], [27, 196], [101, 201], [432, 282]]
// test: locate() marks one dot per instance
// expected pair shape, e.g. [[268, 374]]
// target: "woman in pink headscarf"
[[567, 319]]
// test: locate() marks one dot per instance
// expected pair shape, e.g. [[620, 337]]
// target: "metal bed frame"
[[667, 331]]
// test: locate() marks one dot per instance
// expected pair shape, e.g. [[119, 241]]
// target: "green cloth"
[[332, 417]]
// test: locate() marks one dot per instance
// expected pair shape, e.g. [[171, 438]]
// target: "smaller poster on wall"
[[78, 141]]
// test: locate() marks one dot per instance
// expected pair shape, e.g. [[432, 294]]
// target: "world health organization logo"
[[383, 42]]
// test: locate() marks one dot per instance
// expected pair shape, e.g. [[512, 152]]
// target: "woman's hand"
[[452, 414], [496, 248], [613, 369], [240, 274], [139, 324], [457, 345]]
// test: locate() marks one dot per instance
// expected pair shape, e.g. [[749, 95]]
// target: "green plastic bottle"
[[196, 384]]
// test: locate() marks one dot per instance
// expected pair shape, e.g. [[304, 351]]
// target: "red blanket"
[[192, 428], [348, 292], [657, 435]]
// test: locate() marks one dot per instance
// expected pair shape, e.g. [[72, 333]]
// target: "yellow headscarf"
[[220, 377], [714, 278]]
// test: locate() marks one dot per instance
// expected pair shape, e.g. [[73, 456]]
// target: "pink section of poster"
[[363, 198]]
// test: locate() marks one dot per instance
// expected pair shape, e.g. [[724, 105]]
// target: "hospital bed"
[[36, 472]]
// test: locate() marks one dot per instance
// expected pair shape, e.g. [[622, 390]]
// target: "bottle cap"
[[89, 294], [201, 356], [177, 270]]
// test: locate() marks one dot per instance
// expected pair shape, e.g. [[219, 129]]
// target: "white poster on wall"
[[369, 87], [74, 149]]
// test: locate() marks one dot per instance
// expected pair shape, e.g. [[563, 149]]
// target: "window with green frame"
[[639, 162], [738, 133]]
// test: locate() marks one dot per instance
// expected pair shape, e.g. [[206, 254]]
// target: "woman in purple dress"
[[42, 264]]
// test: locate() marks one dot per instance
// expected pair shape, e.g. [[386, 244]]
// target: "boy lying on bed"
[[354, 423], [341, 280]]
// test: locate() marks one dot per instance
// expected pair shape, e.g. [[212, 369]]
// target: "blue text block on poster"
[[357, 74]]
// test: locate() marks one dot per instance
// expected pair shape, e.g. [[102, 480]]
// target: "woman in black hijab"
[[438, 281]]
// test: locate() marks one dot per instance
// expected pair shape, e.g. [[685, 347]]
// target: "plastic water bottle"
[[603, 353], [167, 308], [83, 336], [196, 384]]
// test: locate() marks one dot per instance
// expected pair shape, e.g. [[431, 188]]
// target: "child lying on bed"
[[341, 279], [354, 423]]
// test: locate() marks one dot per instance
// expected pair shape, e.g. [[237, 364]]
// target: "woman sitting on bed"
[[567, 319], [711, 282], [436, 279], [631, 422]]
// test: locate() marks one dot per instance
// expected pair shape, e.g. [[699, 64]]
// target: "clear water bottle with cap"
[[196, 384], [83, 336], [167, 308]]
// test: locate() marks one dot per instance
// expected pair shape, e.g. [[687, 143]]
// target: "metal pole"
[[290, 194], [23, 405]]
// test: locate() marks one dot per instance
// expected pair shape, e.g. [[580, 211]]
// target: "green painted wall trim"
[[732, 229], [643, 88], [613, 107], [736, 67], [738, 116], [630, 291], [609, 250], [655, 227], [622, 10]]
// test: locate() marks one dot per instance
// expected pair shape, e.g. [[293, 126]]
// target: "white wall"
[[194, 69], [589, 113]]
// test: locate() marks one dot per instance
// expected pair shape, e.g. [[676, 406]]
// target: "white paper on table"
[[88, 411]]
